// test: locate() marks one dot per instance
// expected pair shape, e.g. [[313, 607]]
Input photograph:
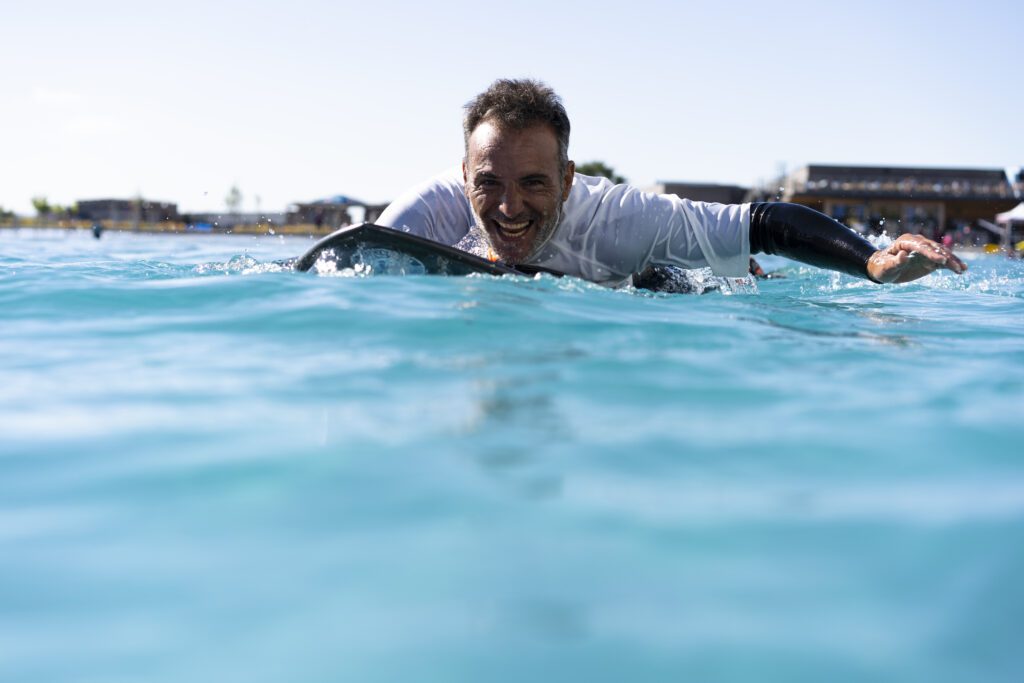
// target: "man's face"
[[514, 184]]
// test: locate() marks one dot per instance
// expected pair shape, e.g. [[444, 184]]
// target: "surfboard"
[[375, 249]]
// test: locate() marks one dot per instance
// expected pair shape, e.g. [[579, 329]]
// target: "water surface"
[[211, 469]]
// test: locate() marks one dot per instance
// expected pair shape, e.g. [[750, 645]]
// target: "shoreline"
[[167, 227], [307, 230]]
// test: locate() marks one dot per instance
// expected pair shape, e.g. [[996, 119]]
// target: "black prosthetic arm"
[[803, 234]]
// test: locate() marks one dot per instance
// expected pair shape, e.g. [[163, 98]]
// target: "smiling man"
[[517, 199], [517, 182]]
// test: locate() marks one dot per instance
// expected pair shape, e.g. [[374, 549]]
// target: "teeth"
[[513, 227]]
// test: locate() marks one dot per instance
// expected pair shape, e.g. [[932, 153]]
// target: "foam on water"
[[214, 468]]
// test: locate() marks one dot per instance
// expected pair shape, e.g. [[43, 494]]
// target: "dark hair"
[[519, 104]]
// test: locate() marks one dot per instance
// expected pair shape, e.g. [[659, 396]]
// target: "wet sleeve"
[[437, 209], [651, 229], [803, 234]]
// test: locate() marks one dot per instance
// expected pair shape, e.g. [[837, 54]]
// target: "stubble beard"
[[543, 234]]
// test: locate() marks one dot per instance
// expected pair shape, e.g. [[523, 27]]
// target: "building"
[[930, 201], [135, 210], [333, 212], [703, 192]]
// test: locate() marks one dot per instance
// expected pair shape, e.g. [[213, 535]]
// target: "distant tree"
[[41, 206], [5, 214], [599, 168], [234, 199]]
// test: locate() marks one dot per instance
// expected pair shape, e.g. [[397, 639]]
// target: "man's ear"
[[464, 178], [570, 171]]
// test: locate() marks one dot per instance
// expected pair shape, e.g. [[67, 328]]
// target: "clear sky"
[[305, 99]]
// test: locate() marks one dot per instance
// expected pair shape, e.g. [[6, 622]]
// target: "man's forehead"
[[493, 144]]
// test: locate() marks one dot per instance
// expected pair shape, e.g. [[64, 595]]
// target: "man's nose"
[[511, 202]]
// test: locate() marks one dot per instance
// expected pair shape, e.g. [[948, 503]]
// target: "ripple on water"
[[210, 465]]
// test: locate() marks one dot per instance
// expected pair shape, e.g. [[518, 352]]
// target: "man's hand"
[[911, 257]]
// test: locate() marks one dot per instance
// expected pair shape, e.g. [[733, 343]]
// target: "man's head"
[[517, 170]]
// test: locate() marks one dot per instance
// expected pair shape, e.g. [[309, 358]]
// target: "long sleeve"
[[803, 234], [612, 231], [437, 209]]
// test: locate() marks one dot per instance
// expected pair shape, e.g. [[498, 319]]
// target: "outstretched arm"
[[806, 235]]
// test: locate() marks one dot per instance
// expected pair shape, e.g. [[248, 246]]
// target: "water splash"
[[243, 264]]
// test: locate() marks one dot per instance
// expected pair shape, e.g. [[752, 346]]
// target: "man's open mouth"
[[513, 230]]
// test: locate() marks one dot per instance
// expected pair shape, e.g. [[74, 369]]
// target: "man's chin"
[[512, 250], [511, 256]]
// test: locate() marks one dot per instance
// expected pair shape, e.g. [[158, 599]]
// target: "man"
[[518, 199]]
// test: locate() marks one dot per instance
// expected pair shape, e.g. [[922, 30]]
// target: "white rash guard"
[[608, 232]]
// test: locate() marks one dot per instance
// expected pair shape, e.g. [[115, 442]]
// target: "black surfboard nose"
[[374, 248]]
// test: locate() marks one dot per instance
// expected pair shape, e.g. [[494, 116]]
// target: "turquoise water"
[[214, 471]]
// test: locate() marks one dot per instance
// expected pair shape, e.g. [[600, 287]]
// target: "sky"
[[299, 100]]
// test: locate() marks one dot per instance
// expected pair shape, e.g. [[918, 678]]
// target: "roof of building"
[[336, 200], [704, 192], [124, 202], [902, 182]]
